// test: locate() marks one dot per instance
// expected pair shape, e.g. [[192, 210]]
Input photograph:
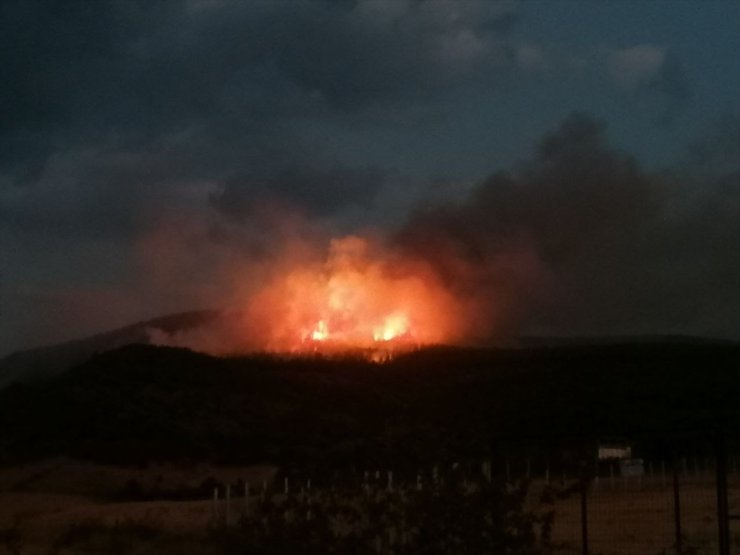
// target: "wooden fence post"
[[215, 504], [227, 519], [611, 476], [723, 513], [677, 507], [662, 474], [584, 510]]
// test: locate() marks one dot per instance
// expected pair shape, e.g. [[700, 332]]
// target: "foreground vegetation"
[[459, 513], [452, 516], [529, 411], [140, 404]]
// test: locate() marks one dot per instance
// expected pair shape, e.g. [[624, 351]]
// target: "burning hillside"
[[360, 297]]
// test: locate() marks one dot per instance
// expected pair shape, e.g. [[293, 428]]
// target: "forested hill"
[[141, 403], [42, 362]]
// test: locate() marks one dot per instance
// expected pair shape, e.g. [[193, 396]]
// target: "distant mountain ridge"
[[143, 403], [44, 362], [606, 340]]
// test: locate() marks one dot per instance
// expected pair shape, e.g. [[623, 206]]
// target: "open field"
[[524, 412], [639, 520], [60, 506], [41, 503]]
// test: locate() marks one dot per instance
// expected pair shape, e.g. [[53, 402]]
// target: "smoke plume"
[[579, 240], [582, 240]]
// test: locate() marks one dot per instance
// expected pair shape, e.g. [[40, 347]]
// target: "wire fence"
[[628, 507], [639, 514]]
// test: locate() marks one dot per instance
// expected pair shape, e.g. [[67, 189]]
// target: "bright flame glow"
[[320, 333], [395, 325], [360, 297]]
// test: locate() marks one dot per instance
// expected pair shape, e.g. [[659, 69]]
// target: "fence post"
[[215, 504], [677, 507], [611, 476], [584, 510], [486, 470], [662, 474], [228, 504], [723, 517], [596, 475]]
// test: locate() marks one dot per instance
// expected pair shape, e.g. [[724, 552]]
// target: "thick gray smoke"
[[581, 240]]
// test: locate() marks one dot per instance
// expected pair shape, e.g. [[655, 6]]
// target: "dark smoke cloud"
[[116, 112], [609, 247], [319, 191], [217, 83], [149, 148], [673, 86]]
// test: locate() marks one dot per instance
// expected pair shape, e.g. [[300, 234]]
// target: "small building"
[[614, 451]]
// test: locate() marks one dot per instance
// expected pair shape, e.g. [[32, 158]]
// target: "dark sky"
[[145, 146]]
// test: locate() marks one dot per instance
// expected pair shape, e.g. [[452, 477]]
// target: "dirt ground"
[[631, 517], [39, 504]]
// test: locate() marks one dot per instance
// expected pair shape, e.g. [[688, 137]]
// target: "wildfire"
[[395, 325], [361, 296], [320, 333]]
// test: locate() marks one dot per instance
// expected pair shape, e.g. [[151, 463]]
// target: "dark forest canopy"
[[143, 403]]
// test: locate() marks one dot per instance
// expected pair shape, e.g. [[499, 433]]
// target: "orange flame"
[[360, 297], [395, 325], [320, 333]]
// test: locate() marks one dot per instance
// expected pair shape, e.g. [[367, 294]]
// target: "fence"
[[683, 505]]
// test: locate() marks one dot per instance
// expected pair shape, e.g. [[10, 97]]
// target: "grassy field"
[[64, 506], [634, 519], [47, 506]]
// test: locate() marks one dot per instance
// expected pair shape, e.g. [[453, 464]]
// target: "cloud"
[[319, 191], [651, 71], [636, 67], [121, 117], [531, 57], [215, 90]]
